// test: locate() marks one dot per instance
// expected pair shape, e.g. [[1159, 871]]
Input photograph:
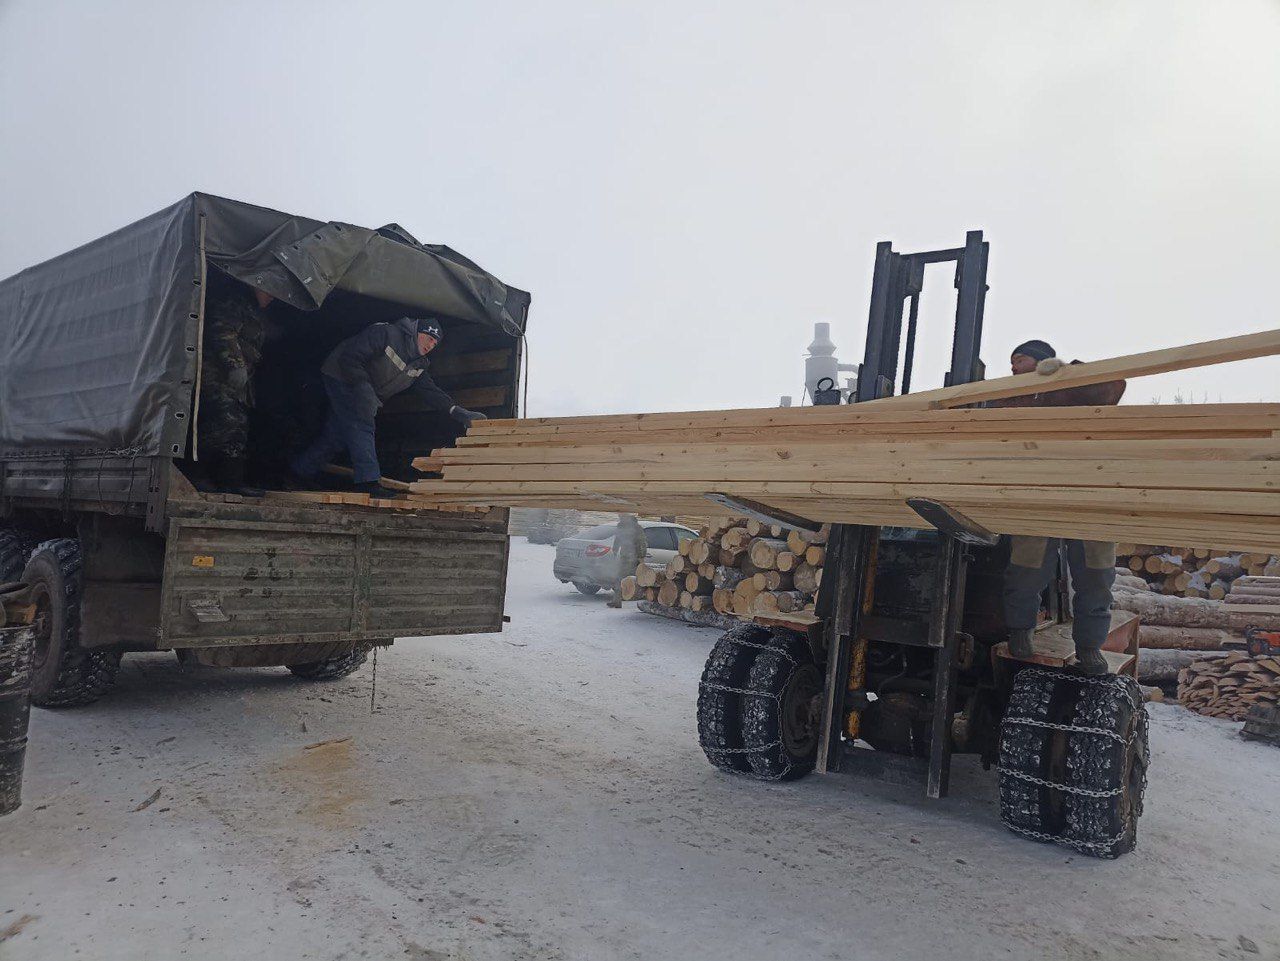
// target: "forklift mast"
[[847, 595]]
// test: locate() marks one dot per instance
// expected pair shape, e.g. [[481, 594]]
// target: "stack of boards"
[[736, 567], [1189, 474], [1230, 686]]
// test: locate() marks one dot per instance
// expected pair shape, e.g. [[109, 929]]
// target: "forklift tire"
[[1073, 761], [333, 668], [585, 588], [719, 701], [64, 674], [779, 721], [1027, 749], [1107, 827]]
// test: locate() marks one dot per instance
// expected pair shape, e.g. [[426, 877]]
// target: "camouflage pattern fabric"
[[233, 337]]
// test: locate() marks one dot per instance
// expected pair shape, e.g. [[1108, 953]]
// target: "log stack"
[[1194, 571], [735, 567], [1229, 686]]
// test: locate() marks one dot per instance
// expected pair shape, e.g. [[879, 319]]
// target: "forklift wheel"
[[1073, 761], [780, 718], [719, 698]]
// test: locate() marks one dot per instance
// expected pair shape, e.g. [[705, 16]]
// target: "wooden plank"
[[1205, 354], [1145, 499]]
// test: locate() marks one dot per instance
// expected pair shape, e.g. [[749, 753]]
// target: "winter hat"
[[1035, 349]]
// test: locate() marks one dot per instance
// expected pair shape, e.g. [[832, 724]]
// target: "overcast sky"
[[686, 187]]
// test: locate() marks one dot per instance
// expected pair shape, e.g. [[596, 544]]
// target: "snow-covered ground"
[[541, 794]]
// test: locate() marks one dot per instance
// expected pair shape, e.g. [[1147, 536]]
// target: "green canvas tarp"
[[99, 347]]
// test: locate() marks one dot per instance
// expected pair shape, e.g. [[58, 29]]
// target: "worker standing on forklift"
[[360, 374], [1033, 560]]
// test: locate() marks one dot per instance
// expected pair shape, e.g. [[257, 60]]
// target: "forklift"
[[905, 662]]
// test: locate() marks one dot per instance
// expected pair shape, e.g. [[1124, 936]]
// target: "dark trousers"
[[344, 429], [1032, 564]]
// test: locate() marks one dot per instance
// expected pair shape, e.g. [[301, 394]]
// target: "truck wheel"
[[719, 701], [1073, 761], [585, 588], [65, 674], [15, 548], [780, 718], [332, 668]]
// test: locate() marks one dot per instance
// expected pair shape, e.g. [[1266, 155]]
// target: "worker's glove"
[[1050, 365], [464, 416], [366, 402]]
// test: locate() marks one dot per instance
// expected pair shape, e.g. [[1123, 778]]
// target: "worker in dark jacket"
[[1033, 560], [234, 330], [360, 375], [629, 546]]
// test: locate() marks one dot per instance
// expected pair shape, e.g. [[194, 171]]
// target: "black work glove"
[[366, 402], [464, 416]]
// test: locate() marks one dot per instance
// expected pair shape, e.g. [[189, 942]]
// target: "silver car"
[[587, 561]]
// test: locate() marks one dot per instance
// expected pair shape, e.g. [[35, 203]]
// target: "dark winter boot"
[[1020, 644], [1090, 661], [229, 474], [374, 489]]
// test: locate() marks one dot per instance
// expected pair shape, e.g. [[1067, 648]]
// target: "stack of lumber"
[[1229, 686], [735, 568], [1183, 474], [1193, 571]]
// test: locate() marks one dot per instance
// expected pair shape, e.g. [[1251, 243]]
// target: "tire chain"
[[781, 653], [1128, 692]]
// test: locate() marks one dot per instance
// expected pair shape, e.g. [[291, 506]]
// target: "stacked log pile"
[[1193, 571], [1229, 686], [735, 567]]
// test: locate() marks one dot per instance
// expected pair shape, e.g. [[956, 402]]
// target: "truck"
[[102, 514]]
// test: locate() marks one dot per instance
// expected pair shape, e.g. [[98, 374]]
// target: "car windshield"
[[602, 533]]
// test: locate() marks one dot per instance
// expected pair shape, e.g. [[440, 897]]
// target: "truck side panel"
[[331, 576]]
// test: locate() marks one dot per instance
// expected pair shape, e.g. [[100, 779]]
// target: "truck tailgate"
[[344, 576]]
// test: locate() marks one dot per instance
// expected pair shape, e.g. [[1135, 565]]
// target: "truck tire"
[[332, 668], [65, 674], [586, 588], [1073, 761], [780, 718], [719, 701], [15, 548]]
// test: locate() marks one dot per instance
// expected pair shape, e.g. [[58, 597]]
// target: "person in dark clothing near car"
[[360, 375], [630, 547], [235, 326], [1033, 560]]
